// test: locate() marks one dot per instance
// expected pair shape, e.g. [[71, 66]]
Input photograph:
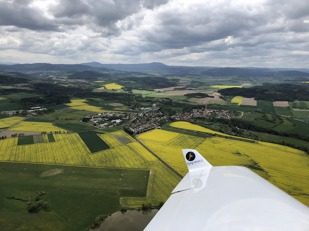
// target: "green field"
[[286, 111], [300, 104], [23, 140], [74, 126], [51, 138], [8, 105], [265, 106], [93, 141], [76, 195], [301, 113]]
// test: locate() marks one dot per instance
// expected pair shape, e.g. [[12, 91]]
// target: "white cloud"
[[220, 33]]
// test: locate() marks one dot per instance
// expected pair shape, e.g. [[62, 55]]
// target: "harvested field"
[[249, 102], [168, 89], [116, 104], [216, 101], [38, 139], [281, 104], [122, 139], [200, 101]]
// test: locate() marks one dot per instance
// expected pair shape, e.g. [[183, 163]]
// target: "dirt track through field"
[[52, 172]]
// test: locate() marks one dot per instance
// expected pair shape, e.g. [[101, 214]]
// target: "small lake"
[[131, 220]]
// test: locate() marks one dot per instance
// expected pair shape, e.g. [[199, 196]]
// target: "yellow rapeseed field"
[[158, 135], [27, 126], [81, 104], [194, 127], [10, 121], [283, 166], [237, 100], [226, 86], [112, 86]]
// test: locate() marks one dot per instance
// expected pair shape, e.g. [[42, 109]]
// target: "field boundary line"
[[160, 159], [70, 165]]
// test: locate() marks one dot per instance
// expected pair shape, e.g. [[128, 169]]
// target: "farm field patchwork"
[[283, 166], [124, 152], [76, 195]]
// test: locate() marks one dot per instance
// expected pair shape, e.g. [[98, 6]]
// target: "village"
[[33, 111], [151, 118]]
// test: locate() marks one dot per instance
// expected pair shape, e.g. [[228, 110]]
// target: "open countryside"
[[130, 133]]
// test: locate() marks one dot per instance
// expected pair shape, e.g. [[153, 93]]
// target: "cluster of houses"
[[151, 118], [33, 111], [203, 114]]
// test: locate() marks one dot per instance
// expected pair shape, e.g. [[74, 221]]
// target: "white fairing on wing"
[[199, 170], [228, 198]]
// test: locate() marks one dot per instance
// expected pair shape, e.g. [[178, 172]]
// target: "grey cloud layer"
[[19, 14], [193, 31]]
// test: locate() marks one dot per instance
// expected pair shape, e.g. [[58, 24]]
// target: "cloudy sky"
[[262, 33]]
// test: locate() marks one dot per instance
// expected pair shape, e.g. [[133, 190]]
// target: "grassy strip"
[[93, 141], [22, 140]]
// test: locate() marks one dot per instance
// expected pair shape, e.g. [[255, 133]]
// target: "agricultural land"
[[79, 142]]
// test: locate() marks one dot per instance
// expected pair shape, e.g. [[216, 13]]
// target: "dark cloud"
[[104, 13], [180, 29], [151, 4], [19, 14], [69, 9]]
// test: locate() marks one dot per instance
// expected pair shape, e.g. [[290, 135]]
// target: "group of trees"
[[271, 92]]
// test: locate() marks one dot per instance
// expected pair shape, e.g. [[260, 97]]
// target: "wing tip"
[[195, 160]]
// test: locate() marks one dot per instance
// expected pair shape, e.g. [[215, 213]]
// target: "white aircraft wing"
[[227, 198]]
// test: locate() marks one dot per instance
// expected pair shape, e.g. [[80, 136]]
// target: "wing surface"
[[228, 198]]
